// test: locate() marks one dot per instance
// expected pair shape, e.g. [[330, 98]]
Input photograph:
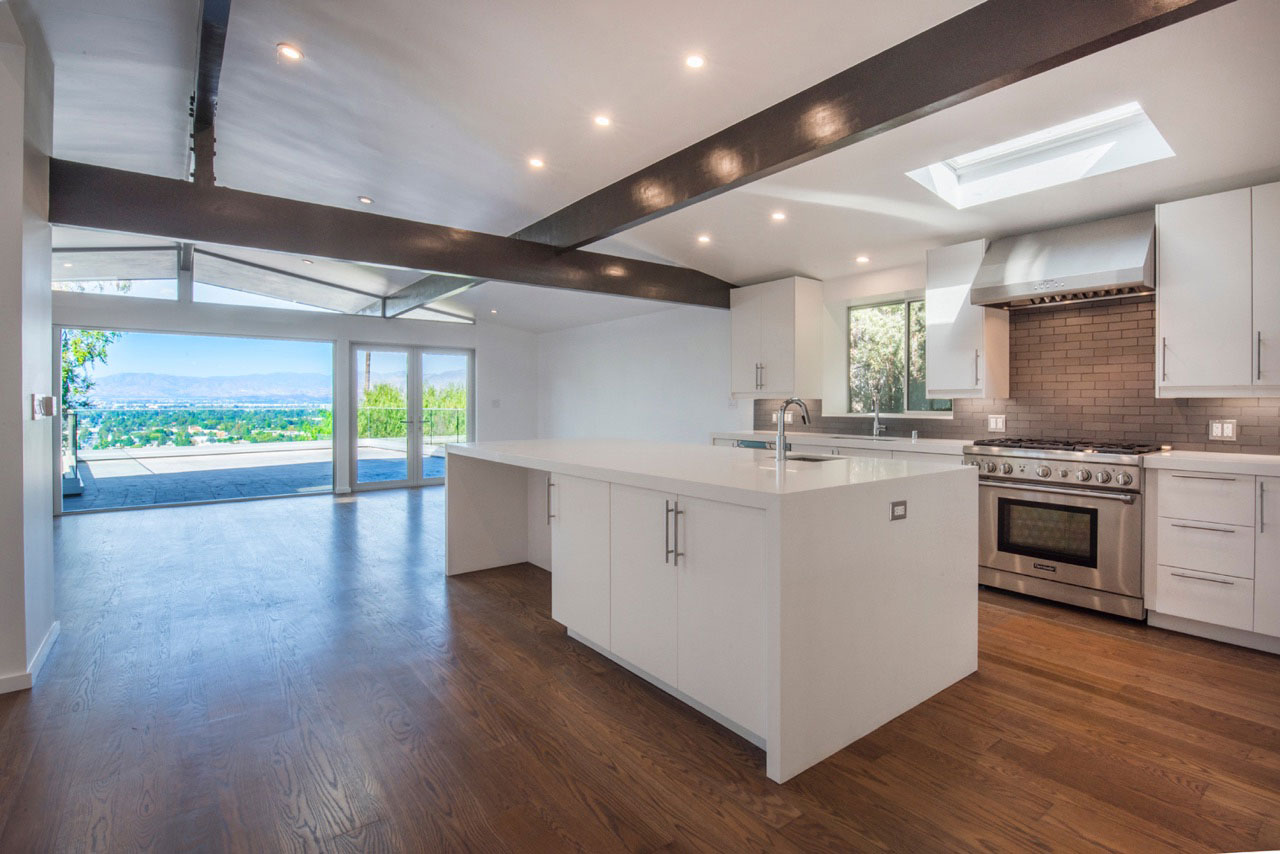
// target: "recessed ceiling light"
[[364, 200], [693, 60], [603, 120], [288, 52], [493, 311], [536, 162], [307, 261], [66, 263], [778, 216], [704, 238], [862, 259]]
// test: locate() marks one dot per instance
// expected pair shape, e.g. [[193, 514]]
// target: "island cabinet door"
[[578, 511], [642, 595], [720, 624], [1266, 585]]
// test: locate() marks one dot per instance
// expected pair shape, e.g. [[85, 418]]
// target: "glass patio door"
[[409, 403]]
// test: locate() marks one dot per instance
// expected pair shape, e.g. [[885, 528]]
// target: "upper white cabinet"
[[1266, 288], [966, 345], [776, 339], [1218, 295], [578, 512]]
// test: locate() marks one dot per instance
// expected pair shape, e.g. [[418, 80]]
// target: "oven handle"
[[1123, 497]]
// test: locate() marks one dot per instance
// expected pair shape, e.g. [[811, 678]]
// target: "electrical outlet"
[[1224, 430], [897, 511], [995, 423], [775, 417]]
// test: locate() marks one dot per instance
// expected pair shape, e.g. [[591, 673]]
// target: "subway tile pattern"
[[1087, 371]]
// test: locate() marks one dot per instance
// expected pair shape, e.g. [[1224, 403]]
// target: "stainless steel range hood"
[[1107, 259]]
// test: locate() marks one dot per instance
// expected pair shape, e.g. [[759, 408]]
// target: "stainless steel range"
[[1062, 520]]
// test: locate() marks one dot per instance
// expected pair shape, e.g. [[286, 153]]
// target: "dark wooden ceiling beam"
[[990, 46], [89, 196], [214, 15]]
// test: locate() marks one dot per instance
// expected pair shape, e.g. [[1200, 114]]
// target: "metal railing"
[[439, 425]]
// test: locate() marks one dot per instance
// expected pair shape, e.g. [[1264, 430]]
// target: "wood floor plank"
[[301, 676]]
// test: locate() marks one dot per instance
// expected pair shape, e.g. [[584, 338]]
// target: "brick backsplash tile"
[[1081, 371]]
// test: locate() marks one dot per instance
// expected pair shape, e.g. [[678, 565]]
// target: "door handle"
[[1259, 374], [1164, 360], [666, 530], [1202, 477], [1202, 528], [1201, 578], [976, 381], [550, 515], [1262, 506], [676, 553]]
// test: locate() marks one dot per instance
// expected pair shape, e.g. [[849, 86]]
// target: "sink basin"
[[875, 438], [813, 458]]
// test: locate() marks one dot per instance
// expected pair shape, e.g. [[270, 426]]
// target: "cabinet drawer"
[[1208, 546], [1203, 596], [1206, 497]]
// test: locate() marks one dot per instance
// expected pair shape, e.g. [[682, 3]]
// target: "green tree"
[[876, 357], [81, 349], [381, 414]]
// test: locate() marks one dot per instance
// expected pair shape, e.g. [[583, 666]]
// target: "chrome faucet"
[[876, 427], [782, 424]]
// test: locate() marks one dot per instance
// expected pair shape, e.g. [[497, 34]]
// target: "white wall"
[[661, 376], [27, 627]]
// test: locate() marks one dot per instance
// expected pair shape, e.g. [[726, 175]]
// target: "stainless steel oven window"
[[1053, 532]]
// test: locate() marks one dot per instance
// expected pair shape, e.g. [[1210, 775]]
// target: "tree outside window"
[[886, 359]]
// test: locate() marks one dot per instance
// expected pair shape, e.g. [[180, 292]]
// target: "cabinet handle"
[[1202, 578], [666, 530], [676, 553], [550, 515], [1202, 528], [761, 382], [1164, 360], [1202, 477], [1262, 506], [976, 381], [1259, 354]]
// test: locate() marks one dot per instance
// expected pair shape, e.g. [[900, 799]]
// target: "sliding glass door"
[[409, 402]]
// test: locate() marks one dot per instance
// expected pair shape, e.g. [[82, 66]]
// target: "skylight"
[[1091, 145]]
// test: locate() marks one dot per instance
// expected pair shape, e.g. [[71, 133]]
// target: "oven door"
[[1086, 537]]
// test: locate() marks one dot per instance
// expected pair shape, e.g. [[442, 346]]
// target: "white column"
[[27, 626]]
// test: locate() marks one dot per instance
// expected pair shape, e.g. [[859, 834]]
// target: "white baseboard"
[[37, 660], [16, 682], [1224, 634]]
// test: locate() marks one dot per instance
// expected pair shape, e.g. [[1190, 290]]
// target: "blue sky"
[[208, 356]]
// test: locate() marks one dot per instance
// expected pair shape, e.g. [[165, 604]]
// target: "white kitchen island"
[[792, 605]]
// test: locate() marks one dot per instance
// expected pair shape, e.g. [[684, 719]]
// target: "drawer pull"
[[1203, 528], [1202, 578], [1203, 477]]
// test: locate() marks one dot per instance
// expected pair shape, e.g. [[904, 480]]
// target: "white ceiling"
[[1210, 84], [433, 109]]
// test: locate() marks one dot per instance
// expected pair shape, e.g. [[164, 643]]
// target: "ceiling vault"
[[985, 48], [86, 196], [214, 15]]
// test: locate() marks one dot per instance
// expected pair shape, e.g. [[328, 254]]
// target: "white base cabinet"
[[578, 510], [687, 597]]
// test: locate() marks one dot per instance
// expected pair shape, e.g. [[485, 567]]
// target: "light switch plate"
[[995, 423], [897, 510], [1224, 430], [775, 417]]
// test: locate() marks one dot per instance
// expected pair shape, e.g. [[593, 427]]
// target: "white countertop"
[[840, 440], [726, 472], [1210, 461]]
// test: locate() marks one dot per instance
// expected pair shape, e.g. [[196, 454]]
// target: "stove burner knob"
[[1083, 475], [1124, 478], [1104, 477], [1043, 471], [1006, 468], [989, 467], [1063, 472]]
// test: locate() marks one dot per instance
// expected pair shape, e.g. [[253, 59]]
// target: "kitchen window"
[[886, 359]]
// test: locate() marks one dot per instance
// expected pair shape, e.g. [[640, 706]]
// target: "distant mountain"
[[247, 388], [122, 388]]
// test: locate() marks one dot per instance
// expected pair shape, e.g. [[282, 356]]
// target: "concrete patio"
[[147, 476]]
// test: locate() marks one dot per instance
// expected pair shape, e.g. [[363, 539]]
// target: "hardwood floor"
[[298, 675]]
